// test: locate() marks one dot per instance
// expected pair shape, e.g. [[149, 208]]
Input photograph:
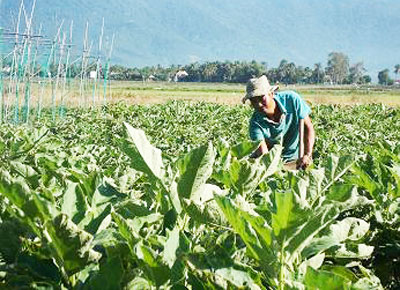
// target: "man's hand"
[[304, 162], [263, 149]]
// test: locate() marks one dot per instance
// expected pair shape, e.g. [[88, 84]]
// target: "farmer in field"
[[278, 118]]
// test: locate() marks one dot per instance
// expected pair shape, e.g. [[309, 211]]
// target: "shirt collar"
[[281, 107]]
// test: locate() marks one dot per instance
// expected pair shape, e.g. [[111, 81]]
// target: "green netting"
[[45, 75], [1, 77]]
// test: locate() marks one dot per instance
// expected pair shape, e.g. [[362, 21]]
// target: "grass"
[[157, 92], [222, 93]]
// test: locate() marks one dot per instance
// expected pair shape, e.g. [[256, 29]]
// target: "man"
[[276, 120]]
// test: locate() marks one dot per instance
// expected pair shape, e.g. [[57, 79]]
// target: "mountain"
[[179, 32]]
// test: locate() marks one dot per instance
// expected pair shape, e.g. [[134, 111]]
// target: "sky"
[[179, 32]]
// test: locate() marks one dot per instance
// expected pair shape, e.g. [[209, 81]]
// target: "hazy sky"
[[179, 32]]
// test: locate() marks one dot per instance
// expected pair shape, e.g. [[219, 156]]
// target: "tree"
[[287, 72], [273, 75], [225, 72], [210, 72], [367, 79], [384, 78], [397, 69], [318, 74], [281, 70], [338, 67], [193, 70], [356, 73]]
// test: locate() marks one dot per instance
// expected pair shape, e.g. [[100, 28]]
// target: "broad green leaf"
[[244, 149], [10, 241], [254, 231], [363, 180], [206, 193], [178, 275], [22, 169], [174, 197], [138, 223], [171, 247], [73, 203], [144, 157], [139, 284], [273, 160], [88, 182], [286, 215], [39, 267], [369, 280], [320, 279], [341, 271], [110, 275], [15, 189], [46, 209], [224, 155], [100, 219], [104, 194], [113, 242], [315, 262], [126, 231], [236, 278], [195, 168], [347, 229], [176, 245], [335, 168], [73, 245], [303, 235], [132, 208], [246, 175], [155, 270], [352, 251]]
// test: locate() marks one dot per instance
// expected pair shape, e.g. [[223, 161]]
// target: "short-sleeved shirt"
[[286, 131]]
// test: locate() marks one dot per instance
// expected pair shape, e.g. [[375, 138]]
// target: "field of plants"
[[231, 94], [165, 197]]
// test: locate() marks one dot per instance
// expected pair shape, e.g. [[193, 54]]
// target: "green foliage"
[[337, 71], [95, 203], [384, 78]]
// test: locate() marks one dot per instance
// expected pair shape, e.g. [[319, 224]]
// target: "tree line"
[[337, 71]]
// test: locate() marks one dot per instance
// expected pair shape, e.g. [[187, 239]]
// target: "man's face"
[[260, 103]]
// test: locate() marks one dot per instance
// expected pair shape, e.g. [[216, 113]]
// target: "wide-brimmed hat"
[[258, 87]]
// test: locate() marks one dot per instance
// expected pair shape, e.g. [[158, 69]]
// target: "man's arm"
[[309, 140], [265, 146]]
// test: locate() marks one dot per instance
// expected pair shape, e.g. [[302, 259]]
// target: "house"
[[151, 78], [93, 74], [180, 75]]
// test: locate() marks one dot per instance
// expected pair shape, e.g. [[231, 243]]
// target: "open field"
[[138, 92], [221, 93]]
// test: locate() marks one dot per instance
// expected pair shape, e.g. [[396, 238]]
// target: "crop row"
[[93, 203]]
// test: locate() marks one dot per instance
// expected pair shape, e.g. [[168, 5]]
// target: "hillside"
[[178, 32]]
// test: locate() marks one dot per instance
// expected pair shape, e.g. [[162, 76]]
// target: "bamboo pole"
[[34, 62], [301, 137], [106, 71], [25, 57], [84, 64], [1, 77], [62, 105], [17, 68], [98, 65], [53, 58], [59, 72], [27, 66]]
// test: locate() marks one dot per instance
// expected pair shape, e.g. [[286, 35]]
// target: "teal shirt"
[[285, 132]]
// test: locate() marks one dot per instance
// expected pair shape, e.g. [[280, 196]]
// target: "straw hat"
[[258, 87]]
